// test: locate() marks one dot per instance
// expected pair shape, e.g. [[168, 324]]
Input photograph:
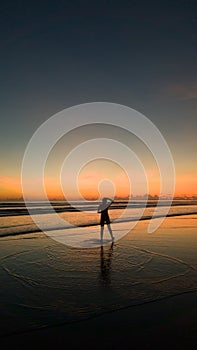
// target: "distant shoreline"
[[119, 199], [37, 208]]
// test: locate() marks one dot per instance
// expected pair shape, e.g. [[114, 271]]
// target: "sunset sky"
[[56, 54]]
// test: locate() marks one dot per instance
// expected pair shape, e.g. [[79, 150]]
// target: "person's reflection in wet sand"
[[106, 257]]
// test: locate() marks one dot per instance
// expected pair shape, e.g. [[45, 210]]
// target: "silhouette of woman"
[[103, 209]]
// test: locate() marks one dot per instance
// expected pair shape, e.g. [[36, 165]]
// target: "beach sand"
[[167, 324], [140, 292]]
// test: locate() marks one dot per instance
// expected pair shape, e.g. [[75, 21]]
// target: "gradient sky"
[[56, 54]]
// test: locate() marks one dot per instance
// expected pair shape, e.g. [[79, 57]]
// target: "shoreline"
[[143, 218]]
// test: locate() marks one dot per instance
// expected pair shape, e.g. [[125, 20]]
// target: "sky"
[[57, 54]]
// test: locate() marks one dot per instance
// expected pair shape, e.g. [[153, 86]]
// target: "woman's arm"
[[109, 199]]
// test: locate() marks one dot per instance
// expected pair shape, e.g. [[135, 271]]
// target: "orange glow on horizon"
[[94, 185], [186, 185], [10, 187]]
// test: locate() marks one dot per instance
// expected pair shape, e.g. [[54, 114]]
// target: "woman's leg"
[[110, 231], [102, 229]]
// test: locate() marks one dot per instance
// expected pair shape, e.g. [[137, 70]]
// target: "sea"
[[17, 217]]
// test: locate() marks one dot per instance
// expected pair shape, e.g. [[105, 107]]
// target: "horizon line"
[[148, 196]]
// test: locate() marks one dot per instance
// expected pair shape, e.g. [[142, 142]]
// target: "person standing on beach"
[[103, 209]]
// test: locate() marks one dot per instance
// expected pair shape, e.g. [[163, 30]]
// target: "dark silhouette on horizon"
[[103, 209], [106, 258]]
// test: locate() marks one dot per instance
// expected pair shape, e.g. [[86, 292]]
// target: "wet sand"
[[167, 324], [143, 294]]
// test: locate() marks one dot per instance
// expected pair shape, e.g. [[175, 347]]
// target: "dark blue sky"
[[55, 54]]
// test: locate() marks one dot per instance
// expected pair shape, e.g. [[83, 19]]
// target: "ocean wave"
[[37, 208], [10, 231]]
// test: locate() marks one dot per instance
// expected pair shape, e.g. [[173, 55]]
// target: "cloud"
[[90, 176], [184, 91]]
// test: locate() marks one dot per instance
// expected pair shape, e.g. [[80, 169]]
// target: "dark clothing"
[[104, 214]]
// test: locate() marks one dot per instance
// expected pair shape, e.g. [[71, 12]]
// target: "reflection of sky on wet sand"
[[45, 282]]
